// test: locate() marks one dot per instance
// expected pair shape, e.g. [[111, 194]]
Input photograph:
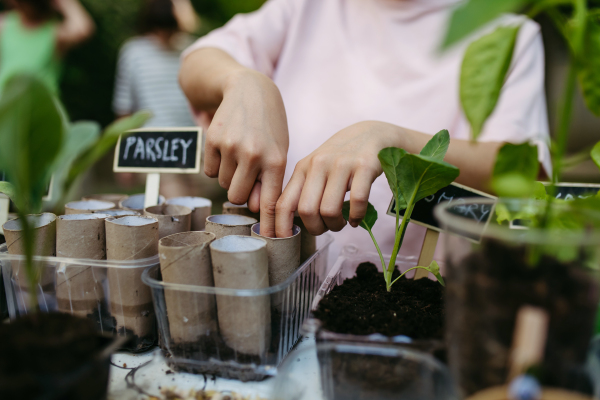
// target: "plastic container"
[[18, 298], [344, 268], [330, 371], [210, 354], [508, 267]]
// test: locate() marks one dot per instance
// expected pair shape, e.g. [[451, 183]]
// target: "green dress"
[[29, 50]]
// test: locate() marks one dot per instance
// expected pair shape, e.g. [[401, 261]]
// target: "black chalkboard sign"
[[572, 191], [156, 150], [454, 193], [47, 196]]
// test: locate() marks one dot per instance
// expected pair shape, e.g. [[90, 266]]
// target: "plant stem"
[[378, 251], [28, 239], [410, 269], [400, 238]]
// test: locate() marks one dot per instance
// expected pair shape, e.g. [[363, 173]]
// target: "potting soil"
[[362, 306]]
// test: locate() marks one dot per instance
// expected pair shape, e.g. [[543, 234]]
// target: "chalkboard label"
[[156, 150], [572, 191], [47, 195], [455, 194]]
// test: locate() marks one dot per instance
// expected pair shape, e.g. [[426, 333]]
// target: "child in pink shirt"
[[355, 76]]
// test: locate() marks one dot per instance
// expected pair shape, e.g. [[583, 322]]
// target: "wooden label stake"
[[427, 251], [152, 188], [4, 205]]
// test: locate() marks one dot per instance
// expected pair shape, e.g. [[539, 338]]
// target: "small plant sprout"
[[411, 177]]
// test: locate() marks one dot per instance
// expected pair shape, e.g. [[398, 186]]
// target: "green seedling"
[[36, 142], [411, 177]]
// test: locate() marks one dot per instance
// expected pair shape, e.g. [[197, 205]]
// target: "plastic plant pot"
[[344, 268], [502, 268], [210, 354], [329, 371], [18, 297]]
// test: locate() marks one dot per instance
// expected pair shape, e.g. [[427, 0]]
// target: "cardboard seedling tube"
[[185, 258], [131, 238], [118, 213], [230, 208], [225, 225], [112, 197], [136, 202], [78, 288], [201, 209], [44, 227], [308, 242], [171, 218], [241, 262], [283, 254], [88, 206]]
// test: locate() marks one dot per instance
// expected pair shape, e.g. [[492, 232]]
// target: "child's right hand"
[[247, 143]]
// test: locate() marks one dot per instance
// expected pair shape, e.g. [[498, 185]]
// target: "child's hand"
[[347, 161], [247, 143]]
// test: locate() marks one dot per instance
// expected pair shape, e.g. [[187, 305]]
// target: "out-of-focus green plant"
[[37, 141]]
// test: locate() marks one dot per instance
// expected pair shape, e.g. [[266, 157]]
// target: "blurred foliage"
[[89, 71]]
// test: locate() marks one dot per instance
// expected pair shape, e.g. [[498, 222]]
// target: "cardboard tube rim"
[[112, 197], [92, 205], [243, 220], [127, 218], [82, 217], [118, 213], [256, 230], [14, 225], [174, 210], [137, 199], [190, 201], [210, 237]]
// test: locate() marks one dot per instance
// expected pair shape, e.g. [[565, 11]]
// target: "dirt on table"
[[51, 354], [362, 306]]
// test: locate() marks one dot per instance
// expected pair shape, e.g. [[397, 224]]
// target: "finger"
[[226, 171], [212, 157], [270, 190], [254, 199], [333, 199], [359, 195], [288, 204], [309, 206], [242, 183]]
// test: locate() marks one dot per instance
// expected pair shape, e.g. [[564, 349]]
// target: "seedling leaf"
[[389, 159], [483, 73], [370, 217], [434, 268], [595, 154], [437, 146], [8, 189]]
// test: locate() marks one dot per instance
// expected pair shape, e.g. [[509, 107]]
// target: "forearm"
[[475, 160], [77, 25], [206, 74]]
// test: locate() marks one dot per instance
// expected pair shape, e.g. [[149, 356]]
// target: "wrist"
[[243, 76]]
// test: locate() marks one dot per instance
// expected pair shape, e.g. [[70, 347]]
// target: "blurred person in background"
[[36, 34], [147, 75]]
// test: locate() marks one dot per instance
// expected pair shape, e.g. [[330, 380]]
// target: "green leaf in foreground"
[[389, 158], [588, 67], [595, 154], [370, 217], [517, 158], [483, 72], [8, 189], [474, 14]]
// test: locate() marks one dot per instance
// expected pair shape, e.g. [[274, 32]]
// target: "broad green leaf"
[[595, 154], [539, 191], [434, 268], [389, 159], [517, 158], [369, 219], [8, 189], [104, 144], [474, 14], [437, 146], [31, 134], [483, 73], [589, 66], [421, 176], [513, 184]]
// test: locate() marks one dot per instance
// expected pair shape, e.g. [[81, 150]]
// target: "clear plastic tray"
[[344, 268], [209, 353], [336, 371], [98, 304]]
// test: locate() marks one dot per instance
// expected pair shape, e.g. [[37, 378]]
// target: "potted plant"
[[538, 250], [52, 354], [383, 302]]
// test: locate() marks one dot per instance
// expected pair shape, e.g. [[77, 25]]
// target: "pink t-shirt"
[[338, 62]]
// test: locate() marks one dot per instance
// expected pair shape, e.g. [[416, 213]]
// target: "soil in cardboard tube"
[[362, 306], [105, 322], [49, 346]]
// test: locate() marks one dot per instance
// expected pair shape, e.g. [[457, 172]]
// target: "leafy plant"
[[37, 141], [411, 177]]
